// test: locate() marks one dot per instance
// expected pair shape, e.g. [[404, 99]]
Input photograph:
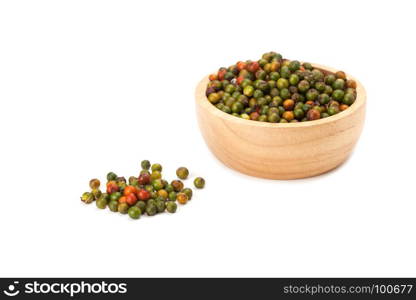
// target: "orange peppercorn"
[[288, 104], [288, 115], [129, 190], [343, 107]]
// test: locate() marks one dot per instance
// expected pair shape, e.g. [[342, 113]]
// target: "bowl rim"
[[202, 100]]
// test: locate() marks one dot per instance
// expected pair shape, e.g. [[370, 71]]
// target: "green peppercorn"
[[87, 197], [160, 206], [134, 212], [188, 192], [312, 94], [333, 110], [273, 118], [101, 203], [299, 114], [141, 204], [248, 90], [151, 209], [263, 118], [338, 84], [285, 72], [172, 196], [145, 164], [237, 107], [156, 167], [284, 93], [338, 94], [307, 66], [303, 86], [199, 182], [323, 98], [133, 181], [96, 193], [113, 206], [348, 99], [157, 184], [169, 188], [155, 175], [294, 79], [171, 207], [144, 172], [115, 196], [282, 83], [111, 176], [245, 116], [294, 65], [258, 94], [329, 79], [320, 86]]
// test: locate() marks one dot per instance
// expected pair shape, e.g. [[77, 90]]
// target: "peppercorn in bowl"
[[280, 119]]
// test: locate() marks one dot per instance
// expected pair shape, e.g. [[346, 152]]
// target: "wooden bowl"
[[281, 150]]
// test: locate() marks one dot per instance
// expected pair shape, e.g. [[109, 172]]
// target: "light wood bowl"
[[281, 150]]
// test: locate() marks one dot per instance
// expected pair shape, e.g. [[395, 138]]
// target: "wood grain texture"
[[279, 150]]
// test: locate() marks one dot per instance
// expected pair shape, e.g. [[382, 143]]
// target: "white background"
[[92, 86]]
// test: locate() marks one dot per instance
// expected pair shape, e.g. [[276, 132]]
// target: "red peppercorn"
[[253, 66], [112, 187], [131, 199], [143, 194], [313, 114], [241, 65], [144, 179]]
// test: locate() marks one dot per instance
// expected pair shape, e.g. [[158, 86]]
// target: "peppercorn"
[[101, 203], [273, 118], [160, 206], [177, 185], [199, 182], [96, 193], [123, 208], [171, 207], [151, 209], [182, 172], [156, 167], [111, 176], [288, 115], [155, 175], [94, 183], [133, 181], [182, 198], [163, 193], [188, 192], [144, 179], [134, 212], [113, 206], [141, 204], [289, 104], [299, 114], [313, 114], [157, 184], [172, 196], [145, 164], [343, 107], [87, 197], [131, 199]]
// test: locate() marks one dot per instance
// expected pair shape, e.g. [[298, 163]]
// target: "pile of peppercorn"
[[148, 193], [274, 90]]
